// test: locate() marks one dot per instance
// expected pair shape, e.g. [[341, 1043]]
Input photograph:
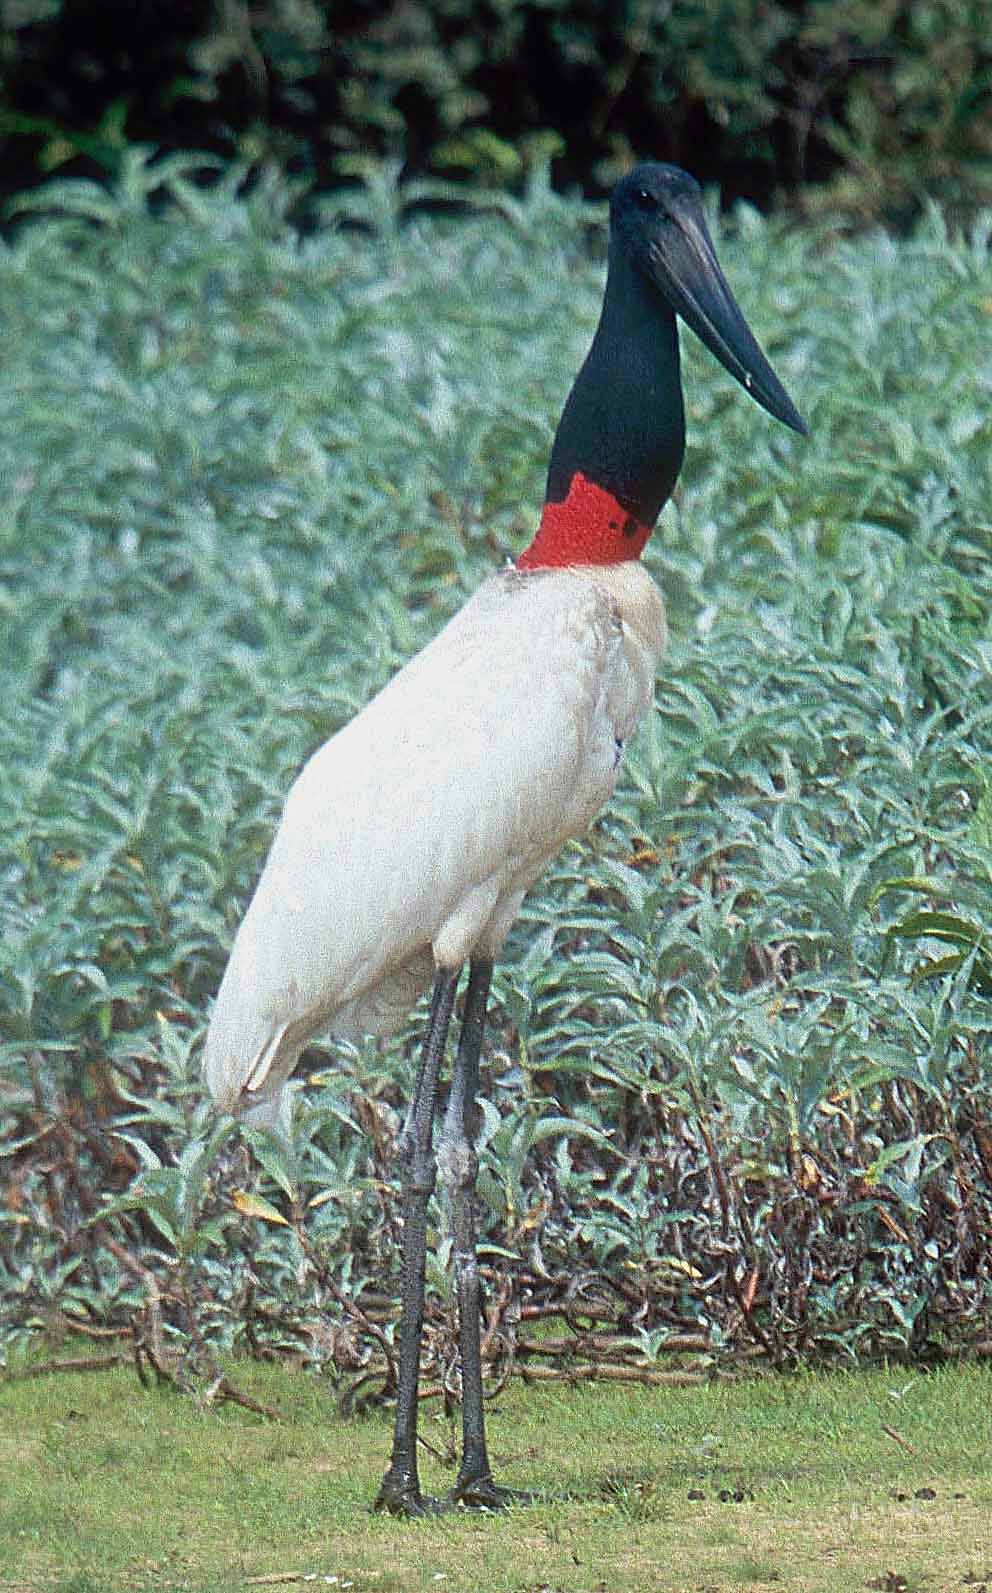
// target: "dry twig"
[[70, 1363]]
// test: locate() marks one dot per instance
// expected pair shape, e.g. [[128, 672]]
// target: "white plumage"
[[410, 838]]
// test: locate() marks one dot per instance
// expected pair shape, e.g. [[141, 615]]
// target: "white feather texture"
[[409, 839]]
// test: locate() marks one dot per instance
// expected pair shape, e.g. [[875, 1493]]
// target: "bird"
[[409, 839]]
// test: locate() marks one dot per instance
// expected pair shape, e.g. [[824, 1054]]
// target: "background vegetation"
[[857, 106], [739, 1090]]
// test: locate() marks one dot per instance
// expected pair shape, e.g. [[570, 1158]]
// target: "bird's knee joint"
[[458, 1162], [466, 1265]]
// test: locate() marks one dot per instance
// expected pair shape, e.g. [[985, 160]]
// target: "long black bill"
[[686, 268]]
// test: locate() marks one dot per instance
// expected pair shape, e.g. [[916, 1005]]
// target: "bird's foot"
[[483, 1493], [399, 1495]]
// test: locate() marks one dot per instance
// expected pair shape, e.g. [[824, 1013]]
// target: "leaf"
[[938, 926], [275, 1156], [569, 1128], [912, 883], [676, 1264], [251, 1205], [911, 1148]]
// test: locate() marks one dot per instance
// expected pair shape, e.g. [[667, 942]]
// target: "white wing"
[[409, 838]]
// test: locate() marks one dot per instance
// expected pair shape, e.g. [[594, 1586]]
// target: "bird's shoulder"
[[555, 624], [529, 667]]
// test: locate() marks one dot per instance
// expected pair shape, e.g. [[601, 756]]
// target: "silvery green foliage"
[[738, 1073]]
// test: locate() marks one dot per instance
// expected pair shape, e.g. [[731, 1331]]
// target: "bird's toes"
[[398, 1496], [483, 1493]]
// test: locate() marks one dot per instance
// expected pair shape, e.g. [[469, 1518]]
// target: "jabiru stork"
[[410, 838]]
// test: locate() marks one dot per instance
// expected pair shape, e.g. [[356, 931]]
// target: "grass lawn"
[[831, 1482]]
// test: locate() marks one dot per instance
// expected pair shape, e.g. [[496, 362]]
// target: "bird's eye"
[[645, 200]]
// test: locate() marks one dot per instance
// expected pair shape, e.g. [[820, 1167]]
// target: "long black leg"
[[459, 1168], [399, 1491]]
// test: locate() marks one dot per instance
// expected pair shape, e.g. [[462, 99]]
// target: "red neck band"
[[588, 527]]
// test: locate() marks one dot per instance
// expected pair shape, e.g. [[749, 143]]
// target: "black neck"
[[623, 426]]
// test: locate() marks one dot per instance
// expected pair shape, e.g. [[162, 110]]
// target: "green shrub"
[[247, 476], [868, 104]]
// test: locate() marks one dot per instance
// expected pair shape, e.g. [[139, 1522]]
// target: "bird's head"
[[657, 222]]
